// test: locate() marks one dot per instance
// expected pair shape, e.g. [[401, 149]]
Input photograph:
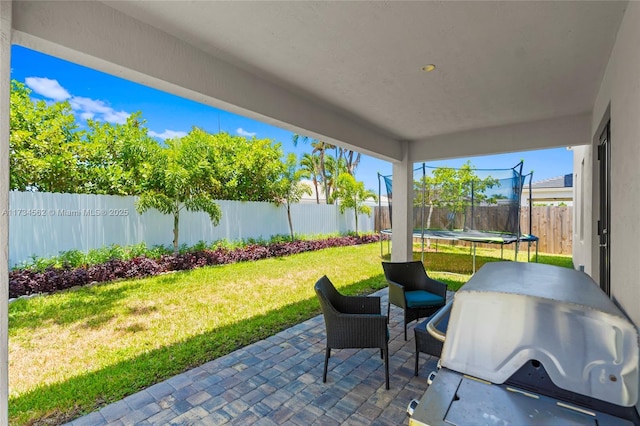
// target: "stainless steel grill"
[[533, 344]]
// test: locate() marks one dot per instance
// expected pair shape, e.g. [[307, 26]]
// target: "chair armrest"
[[396, 294]]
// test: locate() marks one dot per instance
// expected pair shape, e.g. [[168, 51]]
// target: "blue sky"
[[101, 96]]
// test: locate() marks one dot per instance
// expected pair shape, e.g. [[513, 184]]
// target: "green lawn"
[[72, 352]]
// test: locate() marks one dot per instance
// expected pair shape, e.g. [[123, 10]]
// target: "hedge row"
[[26, 281]]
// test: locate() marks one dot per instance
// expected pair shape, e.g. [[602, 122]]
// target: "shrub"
[[73, 268]]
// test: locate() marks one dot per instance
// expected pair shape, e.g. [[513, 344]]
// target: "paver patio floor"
[[278, 381]]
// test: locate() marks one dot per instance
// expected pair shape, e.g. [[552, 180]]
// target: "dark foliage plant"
[[24, 282]]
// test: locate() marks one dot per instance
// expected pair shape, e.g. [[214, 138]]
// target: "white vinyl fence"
[[44, 224]]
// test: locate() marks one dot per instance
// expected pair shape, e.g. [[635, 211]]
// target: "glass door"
[[604, 223]]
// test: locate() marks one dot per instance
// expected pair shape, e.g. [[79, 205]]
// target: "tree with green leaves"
[[458, 187], [200, 167], [119, 157], [44, 144], [247, 169], [182, 178], [453, 189], [292, 189], [49, 152], [352, 195]]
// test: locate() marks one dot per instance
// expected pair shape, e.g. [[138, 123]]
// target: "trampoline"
[[466, 204]]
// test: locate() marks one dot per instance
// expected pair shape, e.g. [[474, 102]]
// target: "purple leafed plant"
[[26, 281]]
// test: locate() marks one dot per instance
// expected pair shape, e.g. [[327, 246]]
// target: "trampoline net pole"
[[424, 181], [530, 204], [530, 218], [380, 214], [519, 205], [473, 224], [474, 256]]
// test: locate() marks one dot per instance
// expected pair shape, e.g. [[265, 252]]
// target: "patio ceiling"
[[351, 72]]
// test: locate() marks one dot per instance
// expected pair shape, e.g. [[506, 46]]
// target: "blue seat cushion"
[[422, 299]]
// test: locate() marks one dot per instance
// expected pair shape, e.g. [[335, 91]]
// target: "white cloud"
[[48, 88], [97, 110], [119, 117], [243, 132], [85, 108], [167, 134]]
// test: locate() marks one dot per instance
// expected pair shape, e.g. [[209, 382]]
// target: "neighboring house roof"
[[309, 198], [553, 190], [306, 198], [565, 181]]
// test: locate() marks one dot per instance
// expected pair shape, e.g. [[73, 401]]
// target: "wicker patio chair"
[[352, 322], [411, 289], [425, 342]]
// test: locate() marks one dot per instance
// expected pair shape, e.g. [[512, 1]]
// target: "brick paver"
[[278, 381]]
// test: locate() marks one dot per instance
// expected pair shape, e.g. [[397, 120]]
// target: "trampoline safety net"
[[466, 203]]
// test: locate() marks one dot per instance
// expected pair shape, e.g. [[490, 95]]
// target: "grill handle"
[[435, 320]]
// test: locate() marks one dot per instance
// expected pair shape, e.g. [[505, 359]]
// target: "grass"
[[72, 352]]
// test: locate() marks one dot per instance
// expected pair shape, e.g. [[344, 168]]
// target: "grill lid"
[[510, 313]]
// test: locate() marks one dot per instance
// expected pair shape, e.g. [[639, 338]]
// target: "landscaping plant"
[[32, 281]]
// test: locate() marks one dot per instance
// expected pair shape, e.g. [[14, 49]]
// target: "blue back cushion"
[[422, 299]]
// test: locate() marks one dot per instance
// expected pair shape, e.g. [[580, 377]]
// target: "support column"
[[5, 102], [402, 235]]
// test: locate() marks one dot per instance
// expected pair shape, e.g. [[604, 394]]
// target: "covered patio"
[[278, 381], [406, 82]]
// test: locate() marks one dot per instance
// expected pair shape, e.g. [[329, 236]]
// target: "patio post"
[[5, 102], [402, 233]]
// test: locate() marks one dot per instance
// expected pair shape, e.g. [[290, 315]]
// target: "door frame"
[[604, 219]]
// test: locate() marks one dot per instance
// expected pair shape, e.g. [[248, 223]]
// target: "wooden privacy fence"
[[553, 225]]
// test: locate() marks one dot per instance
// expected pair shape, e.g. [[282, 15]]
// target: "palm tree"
[[345, 160], [334, 168], [292, 189], [351, 163], [352, 195], [311, 165], [319, 148]]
